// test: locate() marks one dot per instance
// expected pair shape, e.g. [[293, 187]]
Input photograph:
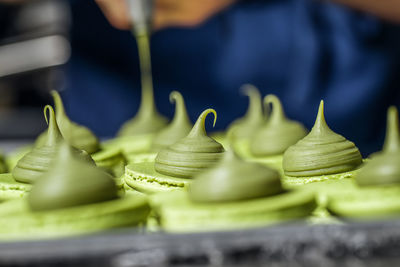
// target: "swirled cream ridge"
[[38, 161], [321, 152], [192, 154]]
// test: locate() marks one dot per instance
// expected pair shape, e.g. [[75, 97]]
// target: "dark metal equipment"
[[33, 45]]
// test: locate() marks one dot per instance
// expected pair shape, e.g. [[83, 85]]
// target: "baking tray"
[[352, 244]]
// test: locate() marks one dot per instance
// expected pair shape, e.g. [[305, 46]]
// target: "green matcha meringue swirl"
[[178, 128], [70, 182], [234, 179], [76, 135], [192, 154], [321, 152], [253, 119], [278, 133], [38, 161], [384, 167]]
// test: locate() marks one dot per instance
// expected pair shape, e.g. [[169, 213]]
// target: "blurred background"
[[301, 50]]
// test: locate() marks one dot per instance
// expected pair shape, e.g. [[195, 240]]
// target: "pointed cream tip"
[[173, 96], [274, 104], [215, 117], [199, 126], [272, 99], [51, 112], [204, 114], [321, 114], [248, 89], [321, 105], [393, 112]]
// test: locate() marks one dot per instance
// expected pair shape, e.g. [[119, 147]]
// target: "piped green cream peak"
[[54, 135], [278, 133], [277, 113], [254, 117], [234, 179], [192, 154], [392, 139], [178, 128], [70, 182], [3, 165], [76, 135], [38, 161], [321, 152], [384, 167]]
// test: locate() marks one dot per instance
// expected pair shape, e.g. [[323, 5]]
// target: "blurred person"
[[300, 50]]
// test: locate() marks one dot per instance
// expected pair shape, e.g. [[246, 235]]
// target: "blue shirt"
[[301, 50]]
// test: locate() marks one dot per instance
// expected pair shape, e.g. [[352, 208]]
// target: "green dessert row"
[[78, 136], [174, 165], [318, 156], [69, 192], [38, 161], [376, 194], [73, 196], [195, 182], [233, 194], [200, 185]]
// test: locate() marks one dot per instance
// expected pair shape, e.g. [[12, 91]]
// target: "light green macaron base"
[[324, 186], [296, 181], [152, 224], [10, 189], [369, 203], [144, 178], [178, 214], [20, 223]]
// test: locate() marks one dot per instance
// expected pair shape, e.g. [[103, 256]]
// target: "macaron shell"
[[9, 188], [18, 222], [324, 187], [293, 181], [178, 214], [371, 203], [130, 144], [144, 178]]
